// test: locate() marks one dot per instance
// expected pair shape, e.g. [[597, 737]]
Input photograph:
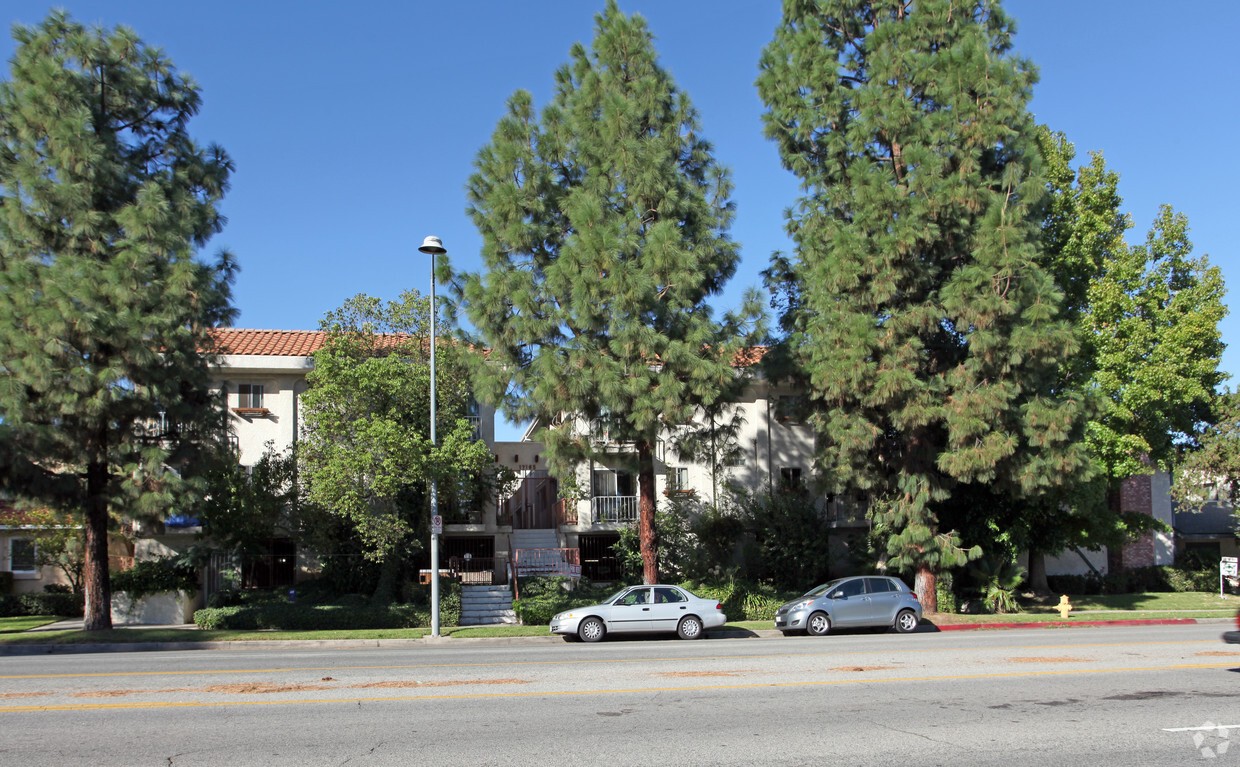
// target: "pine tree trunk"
[[98, 614], [927, 594], [1037, 574], [645, 513]]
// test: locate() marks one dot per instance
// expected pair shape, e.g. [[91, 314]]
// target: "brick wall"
[[1136, 494]]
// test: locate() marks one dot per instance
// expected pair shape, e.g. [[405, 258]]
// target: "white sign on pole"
[[436, 524], [1229, 565]]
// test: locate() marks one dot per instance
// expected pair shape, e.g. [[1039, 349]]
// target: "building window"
[[678, 480], [790, 478], [474, 416], [22, 555], [609, 483], [250, 396], [791, 408]]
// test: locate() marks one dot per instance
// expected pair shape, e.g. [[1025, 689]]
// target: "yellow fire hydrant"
[[1064, 607]]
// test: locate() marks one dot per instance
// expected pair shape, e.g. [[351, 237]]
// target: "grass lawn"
[[1086, 608], [25, 622]]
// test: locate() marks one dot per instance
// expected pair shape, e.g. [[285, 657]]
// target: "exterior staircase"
[[535, 539], [486, 606]]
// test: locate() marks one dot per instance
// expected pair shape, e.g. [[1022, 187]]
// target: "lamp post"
[[433, 247]]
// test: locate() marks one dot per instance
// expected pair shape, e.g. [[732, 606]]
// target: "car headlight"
[[802, 604]]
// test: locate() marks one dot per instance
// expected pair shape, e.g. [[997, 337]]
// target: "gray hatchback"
[[873, 601]]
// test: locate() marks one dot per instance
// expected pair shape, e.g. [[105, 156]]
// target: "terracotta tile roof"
[[303, 343], [12, 517], [268, 343], [750, 356]]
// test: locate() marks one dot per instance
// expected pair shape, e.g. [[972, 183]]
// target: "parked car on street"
[[864, 601], [642, 609], [1233, 637]]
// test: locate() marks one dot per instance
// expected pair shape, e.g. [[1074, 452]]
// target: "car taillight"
[[913, 594], [1238, 620], [719, 606]]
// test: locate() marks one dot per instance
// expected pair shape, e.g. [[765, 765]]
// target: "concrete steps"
[[535, 539], [487, 606]]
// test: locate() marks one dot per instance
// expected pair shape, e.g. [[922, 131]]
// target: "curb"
[[1069, 624], [428, 641]]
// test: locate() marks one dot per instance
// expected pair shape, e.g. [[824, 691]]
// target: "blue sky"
[[354, 126]]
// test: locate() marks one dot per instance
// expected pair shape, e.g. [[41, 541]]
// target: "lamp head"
[[432, 246]]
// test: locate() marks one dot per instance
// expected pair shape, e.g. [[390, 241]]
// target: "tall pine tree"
[[604, 224], [928, 333], [104, 308]]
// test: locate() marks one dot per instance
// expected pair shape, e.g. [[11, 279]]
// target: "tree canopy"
[[104, 305], [365, 454], [604, 222], [915, 307]]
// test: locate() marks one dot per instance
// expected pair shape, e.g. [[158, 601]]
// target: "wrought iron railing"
[[473, 570], [565, 512], [614, 508], [547, 562]]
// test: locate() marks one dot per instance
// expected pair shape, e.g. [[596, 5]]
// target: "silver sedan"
[[640, 609], [872, 601]]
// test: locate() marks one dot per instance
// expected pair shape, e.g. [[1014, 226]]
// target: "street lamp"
[[433, 247]]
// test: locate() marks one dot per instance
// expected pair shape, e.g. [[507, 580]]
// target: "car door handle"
[[645, 609]]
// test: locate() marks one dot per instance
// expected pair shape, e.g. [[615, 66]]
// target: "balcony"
[[618, 509]]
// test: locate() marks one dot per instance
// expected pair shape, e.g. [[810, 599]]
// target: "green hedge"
[[271, 610], [66, 605], [1137, 580], [295, 617], [544, 596]]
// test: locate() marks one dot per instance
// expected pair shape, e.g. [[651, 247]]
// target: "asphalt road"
[[1159, 695]]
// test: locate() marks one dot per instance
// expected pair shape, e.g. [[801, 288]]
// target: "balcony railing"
[[614, 508]]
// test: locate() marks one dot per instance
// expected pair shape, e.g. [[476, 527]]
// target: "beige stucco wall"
[[27, 582]]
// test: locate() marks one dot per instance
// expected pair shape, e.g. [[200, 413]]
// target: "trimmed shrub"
[[271, 610], [1074, 584], [66, 605], [544, 596], [297, 617], [154, 576]]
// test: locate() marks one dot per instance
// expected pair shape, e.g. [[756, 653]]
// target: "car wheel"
[[906, 621], [690, 628], [818, 624], [591, 630]]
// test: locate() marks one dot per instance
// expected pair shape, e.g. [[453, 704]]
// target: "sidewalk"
[[306, 644]]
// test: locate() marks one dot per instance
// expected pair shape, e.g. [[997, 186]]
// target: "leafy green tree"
[[1212, 472], [928, 333], [245, 507], [604, 224], [59, 542], [1153, 317], [104, 307], [1146, 319], [365, 453]]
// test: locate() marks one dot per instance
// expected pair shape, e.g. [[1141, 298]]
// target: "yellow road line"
[[576, 662], [821, 683]]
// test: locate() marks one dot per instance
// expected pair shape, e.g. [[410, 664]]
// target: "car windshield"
[[818, 591]]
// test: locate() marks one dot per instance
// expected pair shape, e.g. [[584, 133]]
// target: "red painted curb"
[[1062, 624]]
